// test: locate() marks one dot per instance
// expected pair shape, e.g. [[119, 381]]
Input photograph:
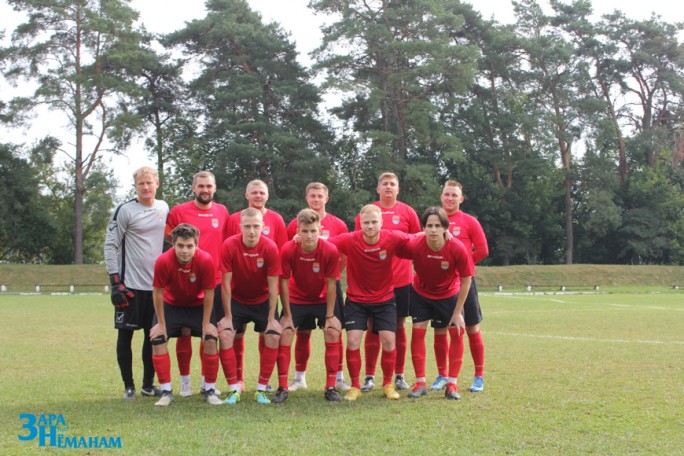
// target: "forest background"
[[566, 130]]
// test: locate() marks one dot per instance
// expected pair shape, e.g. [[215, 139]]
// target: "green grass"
[[565, 374], [93, 277]]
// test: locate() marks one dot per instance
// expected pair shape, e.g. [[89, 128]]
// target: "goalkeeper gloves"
[[120, 294]]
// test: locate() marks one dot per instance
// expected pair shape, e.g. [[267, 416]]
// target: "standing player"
[[184, 298], [370, 293], [401, 217], [251, 268], [274, 229], [331, 226], [443, 275], [308, 292], [211, 218], [134, 239], [469, 231]]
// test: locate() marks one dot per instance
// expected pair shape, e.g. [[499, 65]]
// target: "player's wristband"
[[114, 279]]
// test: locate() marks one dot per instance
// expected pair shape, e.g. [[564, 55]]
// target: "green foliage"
[[26, 229]]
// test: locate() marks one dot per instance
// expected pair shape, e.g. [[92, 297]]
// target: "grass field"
[[570, 374]]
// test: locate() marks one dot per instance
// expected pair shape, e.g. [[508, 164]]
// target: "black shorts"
[[179, 317], [246, 313], [305, 315], [402, 296], [138, 314], [384, 316], [309, 324], [472, 314], [439, 311], [217, 312]]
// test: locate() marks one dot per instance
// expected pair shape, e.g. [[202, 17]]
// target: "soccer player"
[[184, 298], [443, 275], [331, 226], [308, 291], [469, 231], [134, 239], [251, 268], [370, 293], [211, 218], [256, 194], [401, 217]]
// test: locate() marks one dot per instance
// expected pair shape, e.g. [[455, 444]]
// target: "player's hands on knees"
[[286, 323], [157, 331], [120, 294], [333, 323], [273, 327], [208, 329], [225, 324], [458, 323]]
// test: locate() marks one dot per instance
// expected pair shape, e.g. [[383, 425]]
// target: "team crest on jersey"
[[396, 219], [316, 267], [266, 230], [260, 262], [382, 254], [325, 234], [456, 230], [445, 265], [193, 277], [215, 222]]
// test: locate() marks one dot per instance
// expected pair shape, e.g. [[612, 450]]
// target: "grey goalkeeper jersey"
[[134, 240]]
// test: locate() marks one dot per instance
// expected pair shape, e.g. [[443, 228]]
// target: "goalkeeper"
[[133, 241]]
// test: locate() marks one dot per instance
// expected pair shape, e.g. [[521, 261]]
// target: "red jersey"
[[250, 267], [438, 274], [184, 284], [307, 272], [400, 217], [469, 231], [369, 269], [331, 226], [212, 224], [274, 227]]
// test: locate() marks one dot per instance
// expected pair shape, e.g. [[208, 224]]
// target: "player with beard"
[[211, 218]]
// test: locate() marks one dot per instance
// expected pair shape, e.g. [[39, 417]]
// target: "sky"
[[163, 16]]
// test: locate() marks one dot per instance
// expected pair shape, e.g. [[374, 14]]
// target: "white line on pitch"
[[588, 339]]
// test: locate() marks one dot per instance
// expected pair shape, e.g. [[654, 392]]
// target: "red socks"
[[332, 356], [401, 345], [284, 357], [418, 352], [239, 347], [456, 349], [229, 364], [184, 354], [267, 361], [477, 351], [210, 365], [162, 366], [372, 350], [441, 346], [302, 351], [354, 366], [387, 362]]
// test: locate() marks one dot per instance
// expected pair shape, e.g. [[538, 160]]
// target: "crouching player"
[[440, 287], [308, 293], [183, 296]]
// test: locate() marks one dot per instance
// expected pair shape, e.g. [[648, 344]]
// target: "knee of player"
[[210, 345]]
